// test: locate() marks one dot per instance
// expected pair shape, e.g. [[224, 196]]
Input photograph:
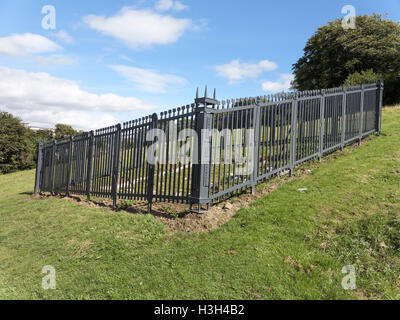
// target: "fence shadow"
[[26, 193], [165, 210]]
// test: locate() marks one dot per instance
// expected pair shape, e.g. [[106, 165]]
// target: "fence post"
[[90, 165], [151, 166], [116, 164], [256, 145], [322, 126], [293, 136], [200, 193], [344, 106], [52, 173], [361, 115], [379, 102], [71, 143], [39, 165]]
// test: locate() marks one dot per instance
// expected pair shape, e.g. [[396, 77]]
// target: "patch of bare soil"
[[218, 214], [36, 197], [178, 218]]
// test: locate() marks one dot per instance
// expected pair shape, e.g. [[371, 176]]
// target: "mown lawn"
[[287, 245]]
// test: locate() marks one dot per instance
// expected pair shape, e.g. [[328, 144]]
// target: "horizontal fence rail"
[[208, 150]]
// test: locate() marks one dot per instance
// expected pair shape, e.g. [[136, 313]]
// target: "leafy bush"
[[358, 78], [17, 144], [64, 131]]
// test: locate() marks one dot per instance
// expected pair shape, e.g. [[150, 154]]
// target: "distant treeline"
[[18, 144]]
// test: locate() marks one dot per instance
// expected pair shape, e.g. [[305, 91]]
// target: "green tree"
[[17, 144], [64, 131], [358, 78], [332, 54], [44, 135]]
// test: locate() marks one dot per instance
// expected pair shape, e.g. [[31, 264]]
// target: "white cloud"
[[19, 45], [236, 72], [56, 59], [44, 100], [140, 28], [47, 118], [125, 58], [148, 80], [64, 37], [165, 5], [283, 83]]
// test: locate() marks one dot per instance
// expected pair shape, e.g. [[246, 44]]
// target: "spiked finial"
[[205, 100]]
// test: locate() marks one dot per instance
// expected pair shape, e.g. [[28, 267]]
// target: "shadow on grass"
[[160, 209], [26, 193]]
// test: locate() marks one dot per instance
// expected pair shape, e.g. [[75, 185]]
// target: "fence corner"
[[322, 126], [379, 104], [361, 114], [293, 128], [39, 165], [344, 107], [69, 170], [200, 191], [256, 149], [151, 167], [90, 165], [116, 164]]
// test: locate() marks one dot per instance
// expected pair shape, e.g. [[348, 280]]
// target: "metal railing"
[[272, 133]]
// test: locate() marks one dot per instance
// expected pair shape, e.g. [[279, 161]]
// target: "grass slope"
[[287, 245]]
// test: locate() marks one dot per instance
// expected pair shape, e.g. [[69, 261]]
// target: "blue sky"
[[110, 61]]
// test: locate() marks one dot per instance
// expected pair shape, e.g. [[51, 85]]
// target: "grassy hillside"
[[287, 245]]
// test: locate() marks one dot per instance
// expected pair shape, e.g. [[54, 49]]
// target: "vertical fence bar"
[[71, 144], [89, 165], [256, 146], [52, 172], [379, 103], [151, 166], [361, 115], [171, 113], [344, 103], [322, 126], [116, 151], [293, 126], [39, 167]]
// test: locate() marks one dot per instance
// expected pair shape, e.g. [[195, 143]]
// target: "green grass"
[[350, 215]]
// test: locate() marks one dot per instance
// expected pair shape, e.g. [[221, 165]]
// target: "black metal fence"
[[273, 134]]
